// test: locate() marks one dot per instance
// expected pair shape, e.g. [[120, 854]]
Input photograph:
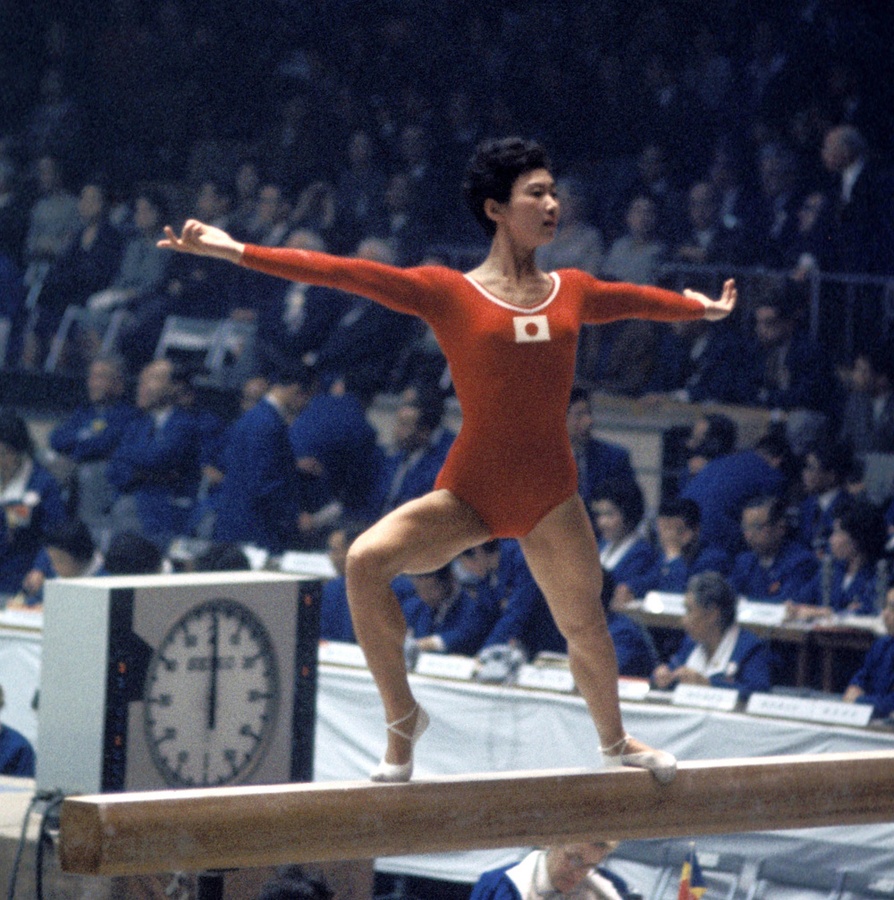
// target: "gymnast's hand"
[[202, 240], [716, 309]]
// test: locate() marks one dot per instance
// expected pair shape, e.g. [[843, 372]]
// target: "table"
[[485, 728], [817, 646]]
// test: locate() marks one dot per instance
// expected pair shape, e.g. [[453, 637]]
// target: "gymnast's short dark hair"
[[493, 170]]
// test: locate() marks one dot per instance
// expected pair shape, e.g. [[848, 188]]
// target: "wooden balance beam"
[[243, 827]]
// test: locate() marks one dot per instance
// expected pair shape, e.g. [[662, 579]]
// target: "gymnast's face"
[[531, 214]]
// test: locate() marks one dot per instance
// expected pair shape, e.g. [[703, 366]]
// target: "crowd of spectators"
[[741, 134], [764, 143]]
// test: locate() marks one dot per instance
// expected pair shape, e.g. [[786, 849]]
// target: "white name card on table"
[[659, 602], [339, 653], [446, 665], [546, 678], [296, 562], [827, 712], [702, 696], [257, 556], [750, 612], [862, 623], [633, 688]]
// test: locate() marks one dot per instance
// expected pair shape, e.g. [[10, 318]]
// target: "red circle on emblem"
[[531, 329]]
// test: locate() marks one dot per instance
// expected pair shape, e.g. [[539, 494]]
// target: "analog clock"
[[211, 696]]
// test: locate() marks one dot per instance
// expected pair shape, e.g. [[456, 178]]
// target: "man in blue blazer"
[[597, 461], [155, 467], [259, 498]]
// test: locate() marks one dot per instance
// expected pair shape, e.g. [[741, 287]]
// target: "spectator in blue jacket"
[[17, 756], [618, 508], [715, 651], [775, 567], [155, 467], [496, 576], [681, 554], [596, 460], [874, 682], [847, 581], [259, 500], [443, 617], [89, 436], [421, 444], [30, 499], [727, 483], [823, 478]]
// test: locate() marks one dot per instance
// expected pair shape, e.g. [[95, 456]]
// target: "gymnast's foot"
[[408, 730], [635, 754]]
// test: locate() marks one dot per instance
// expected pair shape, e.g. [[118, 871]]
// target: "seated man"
[[155, 467], [16, 753], [496, 575], [421, 443], [823, 479], [681, 554], [596, 460], [571, 870], [715, 650], [89, 436], [774, 567], [874, 682], [443, 618]]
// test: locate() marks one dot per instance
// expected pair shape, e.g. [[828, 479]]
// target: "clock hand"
[[215, 660]]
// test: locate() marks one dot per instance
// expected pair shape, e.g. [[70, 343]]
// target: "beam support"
[[241, 827]]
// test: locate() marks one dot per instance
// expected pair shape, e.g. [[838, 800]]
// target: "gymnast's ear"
[[493, 209]]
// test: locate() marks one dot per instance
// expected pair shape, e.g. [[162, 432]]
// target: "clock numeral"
[[169, 664], [246, 731], [164, 700], [190, 640], [169, 734], [254, 695]]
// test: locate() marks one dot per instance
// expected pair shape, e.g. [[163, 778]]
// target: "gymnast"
[[509, 333]]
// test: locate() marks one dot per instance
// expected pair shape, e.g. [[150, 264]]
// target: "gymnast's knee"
[[370, 562]]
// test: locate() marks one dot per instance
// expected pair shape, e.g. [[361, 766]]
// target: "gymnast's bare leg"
[[420, 536], [562, 555]]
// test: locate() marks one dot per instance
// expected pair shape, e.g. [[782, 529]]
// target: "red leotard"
[[512, 368]]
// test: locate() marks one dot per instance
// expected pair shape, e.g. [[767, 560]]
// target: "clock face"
[[211, 696]]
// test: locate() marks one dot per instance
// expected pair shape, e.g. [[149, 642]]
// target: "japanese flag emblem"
[[530, 328]]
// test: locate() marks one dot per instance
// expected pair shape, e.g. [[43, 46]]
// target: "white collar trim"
[[557, 281]]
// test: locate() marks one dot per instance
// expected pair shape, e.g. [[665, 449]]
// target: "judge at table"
[[715, 651]]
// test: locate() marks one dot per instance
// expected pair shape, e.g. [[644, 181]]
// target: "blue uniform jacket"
[[603, 461], [723, 488], [859, 597], [788, 574], [420, 476], [335, 616], [641, 558], [335, 431], [634, 648], [815, 523], [26, 520], [258, 500], [673, 576], [92, 432], [463, 629], [16, 753], [160, 468], [876, 677], [749, 668]]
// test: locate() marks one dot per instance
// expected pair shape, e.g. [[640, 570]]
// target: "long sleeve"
[[609, 301], [413, 291]]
